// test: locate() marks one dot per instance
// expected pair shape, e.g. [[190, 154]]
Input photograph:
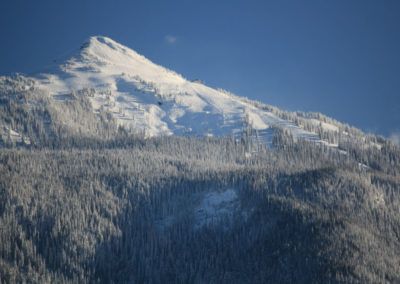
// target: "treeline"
[[43, 119]]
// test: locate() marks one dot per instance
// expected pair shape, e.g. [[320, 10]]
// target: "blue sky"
[[338, 57]]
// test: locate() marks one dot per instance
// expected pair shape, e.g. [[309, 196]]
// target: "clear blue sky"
[[338, 57]]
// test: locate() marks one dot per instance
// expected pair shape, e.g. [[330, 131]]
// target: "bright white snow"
[[215, 207], [147, 97], [325, 126]]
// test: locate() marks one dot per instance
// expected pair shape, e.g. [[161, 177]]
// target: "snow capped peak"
[[99, 39], [107, 49], [106, 57], [147, 97]]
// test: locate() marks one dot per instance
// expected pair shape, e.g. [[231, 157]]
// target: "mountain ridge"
[[146, 98]]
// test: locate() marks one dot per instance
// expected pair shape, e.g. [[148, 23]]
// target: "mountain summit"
[[143, 97]]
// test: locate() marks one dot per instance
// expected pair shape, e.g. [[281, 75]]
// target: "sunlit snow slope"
[[146, 97]]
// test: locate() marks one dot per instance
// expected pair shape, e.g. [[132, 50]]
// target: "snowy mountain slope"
[[144, 96], [147, 98]]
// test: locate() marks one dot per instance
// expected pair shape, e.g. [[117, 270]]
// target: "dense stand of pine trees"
[[89, 213]]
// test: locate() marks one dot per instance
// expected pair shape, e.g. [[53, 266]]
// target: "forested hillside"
[[116, 170], [188, 210]]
